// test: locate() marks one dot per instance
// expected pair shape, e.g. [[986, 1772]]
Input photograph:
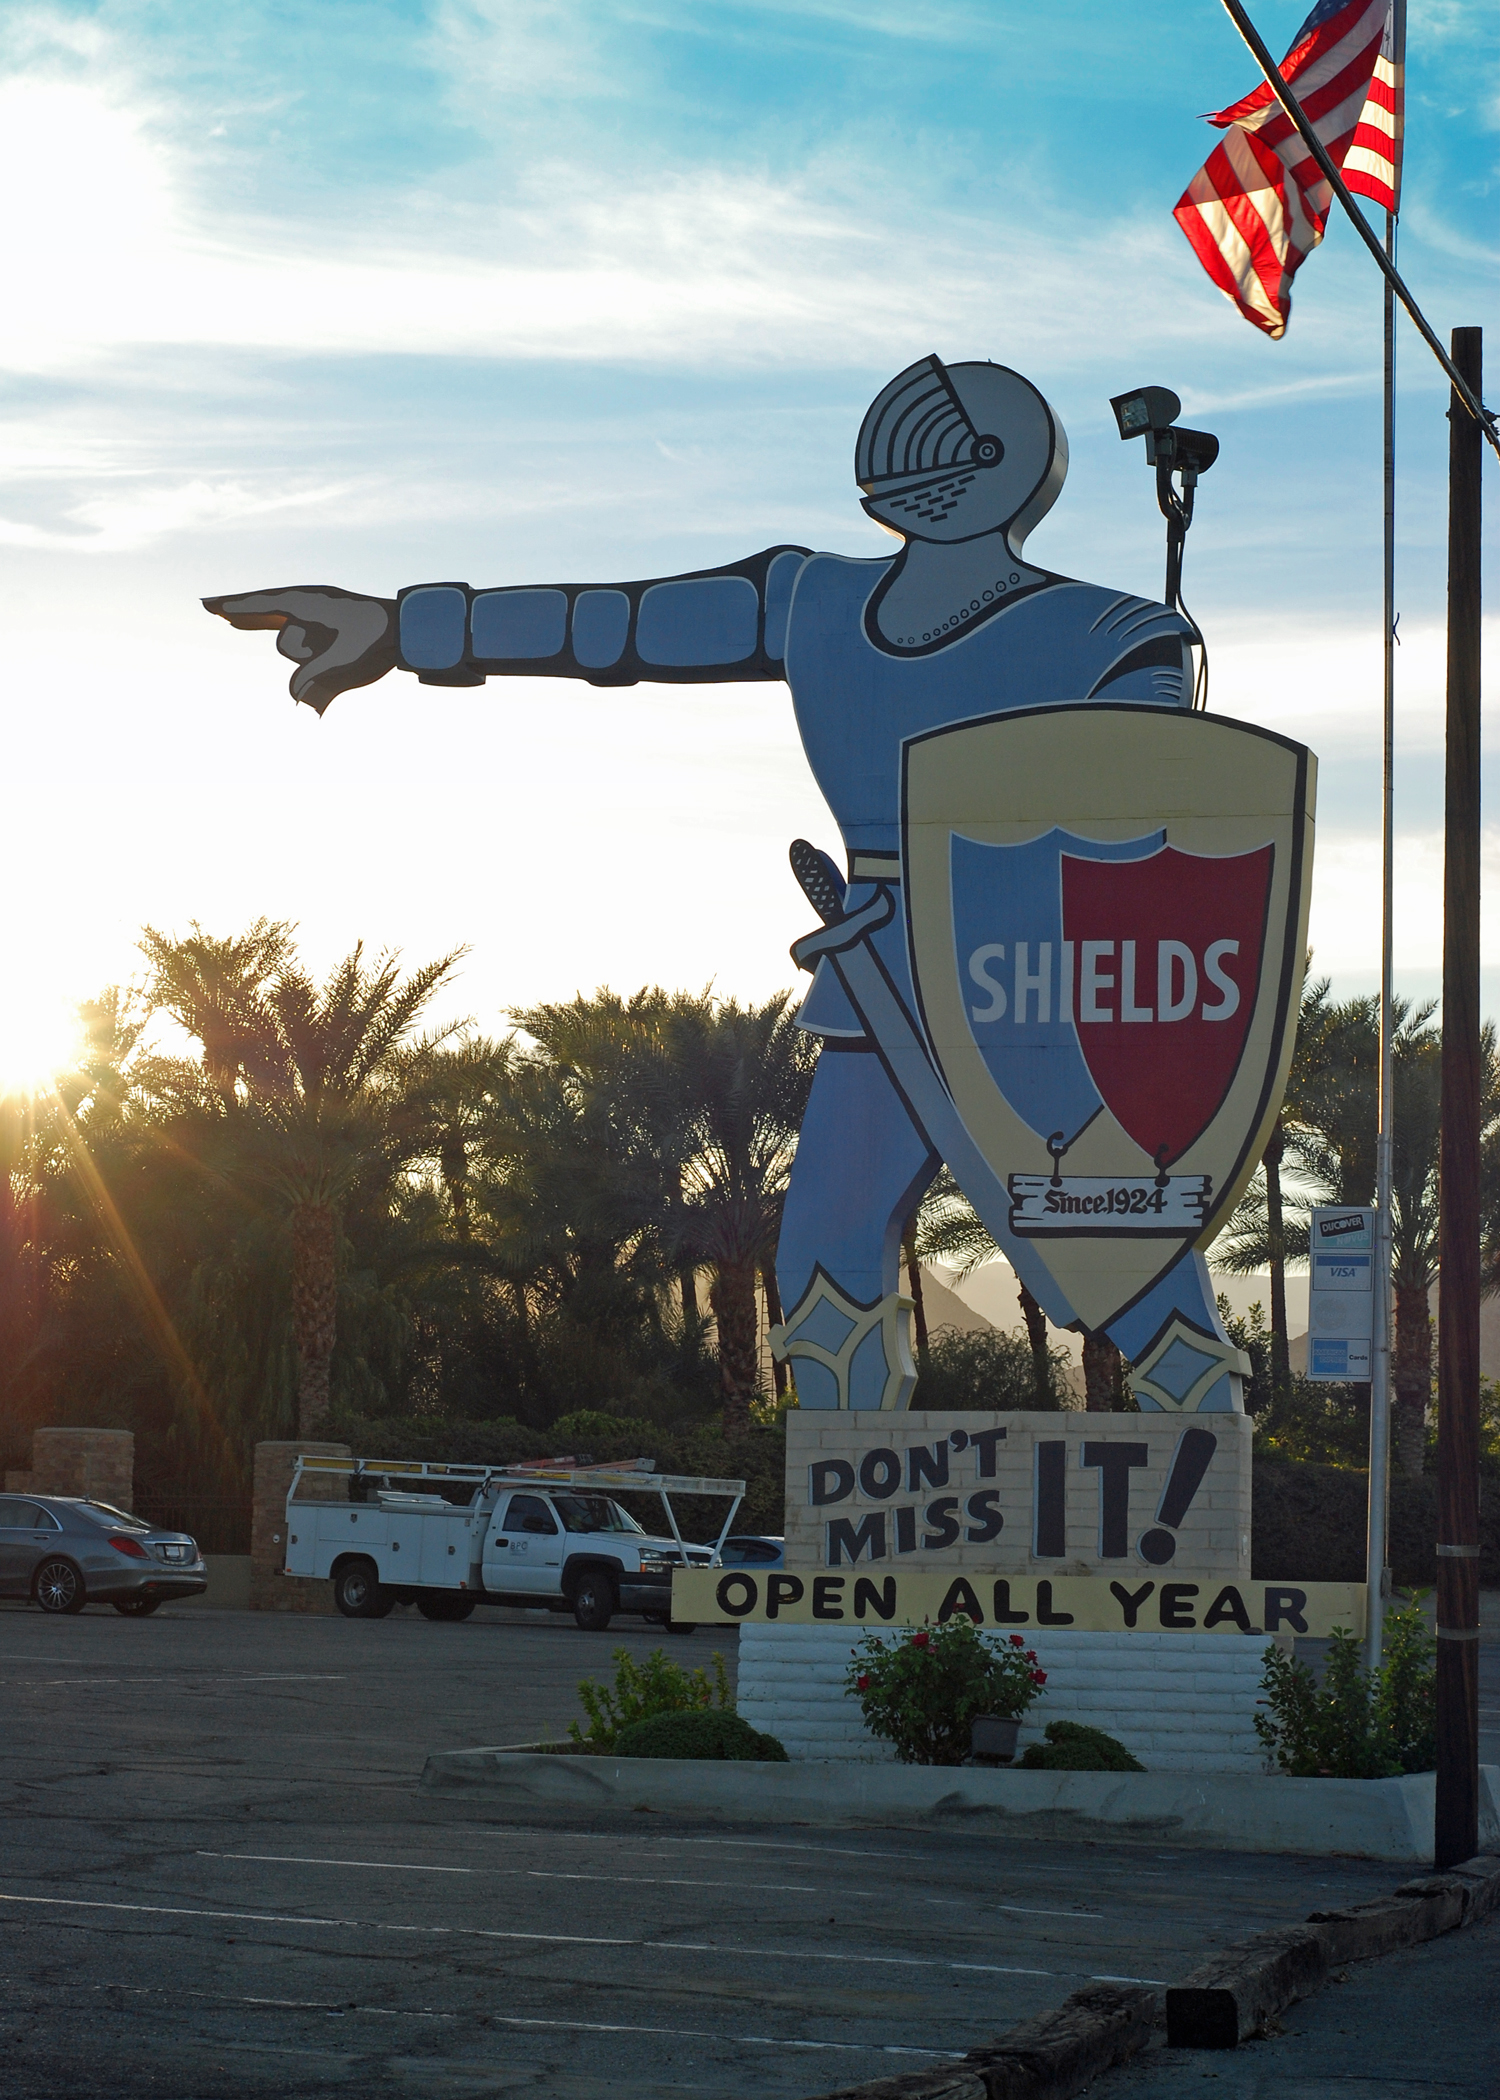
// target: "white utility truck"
[[445, 1537]]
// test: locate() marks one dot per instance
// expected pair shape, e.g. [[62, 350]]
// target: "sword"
[[845, 939]]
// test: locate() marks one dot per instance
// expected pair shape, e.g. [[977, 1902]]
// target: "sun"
[[39, 1039]]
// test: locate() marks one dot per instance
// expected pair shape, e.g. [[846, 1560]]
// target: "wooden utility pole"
[[1457, 1825]]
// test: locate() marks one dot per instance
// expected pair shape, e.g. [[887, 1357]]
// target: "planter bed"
[[1389, 1819]]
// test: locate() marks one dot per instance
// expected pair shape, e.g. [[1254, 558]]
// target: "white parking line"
[[399, 2012], [681, 1881], [388, 1866], [1027, 1912], [183, 1683], [591, 1837], [398, 1866], [483, 1932]]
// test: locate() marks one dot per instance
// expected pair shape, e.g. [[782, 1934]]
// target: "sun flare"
[[39, 1039]]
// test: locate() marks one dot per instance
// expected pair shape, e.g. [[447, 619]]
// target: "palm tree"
[[450, 1094], [213, 988], [1331, 1146], [304, 1077], [1328, 1099], [691, 1106], [948, 1229], [740, 1076]]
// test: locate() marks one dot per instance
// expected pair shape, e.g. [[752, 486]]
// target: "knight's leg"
[[861, 1167], [1181, 1359]]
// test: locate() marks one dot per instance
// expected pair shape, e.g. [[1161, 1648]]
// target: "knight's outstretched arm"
[[711, 625]]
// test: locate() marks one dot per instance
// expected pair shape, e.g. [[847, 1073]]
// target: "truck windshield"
[[592, 1513]]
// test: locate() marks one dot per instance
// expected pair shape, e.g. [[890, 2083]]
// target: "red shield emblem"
[[1167, 955]]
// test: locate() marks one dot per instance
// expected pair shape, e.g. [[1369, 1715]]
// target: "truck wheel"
[[677, 1626], [358, 1593], [594, 1602], [446, 1607]]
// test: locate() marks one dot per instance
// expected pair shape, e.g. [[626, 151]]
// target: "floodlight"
[[1151, 412], [1148, 408]]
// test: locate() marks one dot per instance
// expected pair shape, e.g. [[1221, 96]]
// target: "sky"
[[374, 294]]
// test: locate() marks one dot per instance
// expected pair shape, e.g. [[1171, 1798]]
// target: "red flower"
[[1039, 1677], [921, 1640], [1017, 1641], [1031, 1655], [862, 1682]]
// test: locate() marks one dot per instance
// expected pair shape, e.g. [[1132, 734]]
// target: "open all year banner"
[[1190, 1603]]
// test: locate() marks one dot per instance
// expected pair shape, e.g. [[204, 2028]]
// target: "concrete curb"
[[1388, 1819], [1048, 2058], [1057, 2054], [1232, 1997]]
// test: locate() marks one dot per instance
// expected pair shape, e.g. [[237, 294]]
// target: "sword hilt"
[[819, 880]]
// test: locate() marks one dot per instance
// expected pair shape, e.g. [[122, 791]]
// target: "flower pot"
[[992, 1739]]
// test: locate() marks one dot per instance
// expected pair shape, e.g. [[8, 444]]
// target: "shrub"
[[699, 1734], [1072, 1747], [922, 1690], [643, 1690], [1354, 1725], [989, 1370], [1406, 1697], [1309, 1524]]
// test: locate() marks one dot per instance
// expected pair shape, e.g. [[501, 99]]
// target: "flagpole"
[[1376, 1573]]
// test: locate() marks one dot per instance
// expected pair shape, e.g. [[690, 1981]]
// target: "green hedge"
[[758, 1458], [1309, 1522]]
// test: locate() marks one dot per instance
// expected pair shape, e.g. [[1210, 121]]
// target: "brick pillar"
[[97, 1463], [270, 1590]]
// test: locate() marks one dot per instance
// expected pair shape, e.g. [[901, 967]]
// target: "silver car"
[[65, 1552]]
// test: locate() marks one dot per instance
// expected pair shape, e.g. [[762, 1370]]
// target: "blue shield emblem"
[[1106, 911]]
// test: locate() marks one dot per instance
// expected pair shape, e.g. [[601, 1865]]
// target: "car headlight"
[[656, 1564]]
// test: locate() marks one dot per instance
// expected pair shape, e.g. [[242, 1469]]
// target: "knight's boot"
[[1187, 1371], [844, 1354]]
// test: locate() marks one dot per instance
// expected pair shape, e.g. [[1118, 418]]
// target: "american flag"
[[1257, 207]]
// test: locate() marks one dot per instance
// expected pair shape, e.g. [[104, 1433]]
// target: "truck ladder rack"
[[624, 1478]]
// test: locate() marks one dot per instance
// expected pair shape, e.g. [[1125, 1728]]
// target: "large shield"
[[1107, 921]]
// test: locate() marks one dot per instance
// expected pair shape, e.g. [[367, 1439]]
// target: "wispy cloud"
[[832, 262], [126, 518]]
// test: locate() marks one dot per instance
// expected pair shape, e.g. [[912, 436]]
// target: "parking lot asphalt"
[[221, 1876]]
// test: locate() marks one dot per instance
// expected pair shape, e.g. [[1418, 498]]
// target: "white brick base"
[[1180, 1702]]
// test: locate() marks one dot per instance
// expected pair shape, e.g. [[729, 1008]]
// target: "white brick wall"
[[1180, 1702]]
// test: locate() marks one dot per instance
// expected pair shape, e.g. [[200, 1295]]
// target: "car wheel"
[[58, 1587], [358, 1593], [136, 1607], [449, 1608], [594, 1602]]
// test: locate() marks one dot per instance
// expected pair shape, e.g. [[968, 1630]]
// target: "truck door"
[[525, 1549]]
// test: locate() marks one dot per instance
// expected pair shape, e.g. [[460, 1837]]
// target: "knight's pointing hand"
[[338, 638]]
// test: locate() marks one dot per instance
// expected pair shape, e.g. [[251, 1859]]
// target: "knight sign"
[[1064, 956]]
